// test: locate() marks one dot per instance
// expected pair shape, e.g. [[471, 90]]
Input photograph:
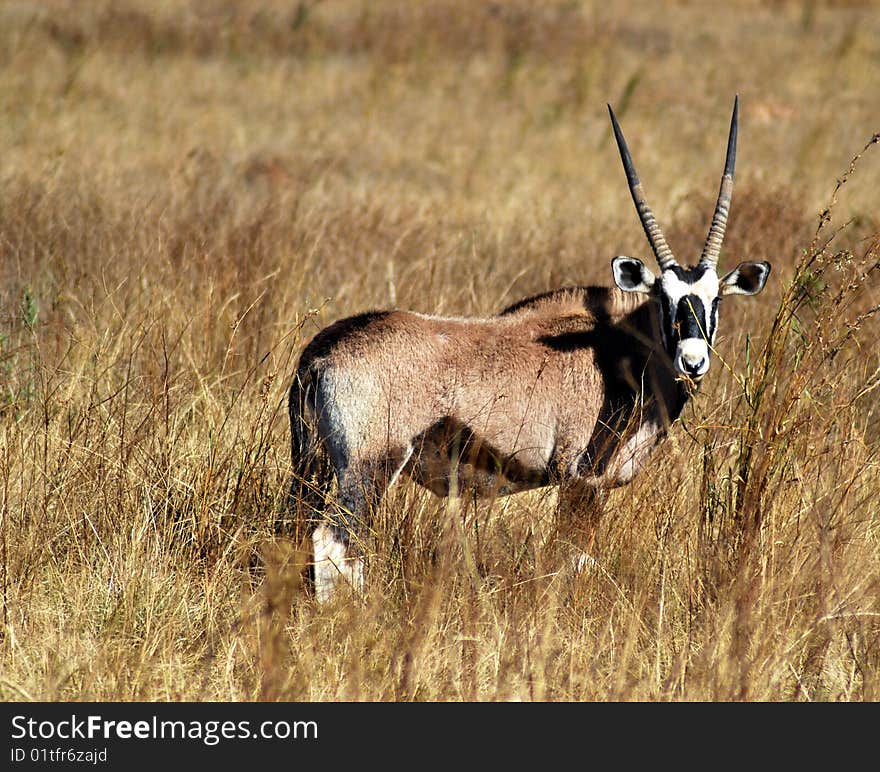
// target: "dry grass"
[[190, 189]]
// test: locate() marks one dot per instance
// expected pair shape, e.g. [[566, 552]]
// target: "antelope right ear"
[[747, 278], [632, 275]]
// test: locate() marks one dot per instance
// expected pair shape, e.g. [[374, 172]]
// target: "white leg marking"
[[331, 562], [584, 563]]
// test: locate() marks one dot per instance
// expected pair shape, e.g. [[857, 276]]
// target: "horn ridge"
[[649, 223], [712, 248]]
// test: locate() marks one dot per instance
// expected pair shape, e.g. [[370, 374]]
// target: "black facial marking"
[[689, 275], [690, 318]]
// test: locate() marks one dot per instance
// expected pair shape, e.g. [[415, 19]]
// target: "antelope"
[[573, 387]]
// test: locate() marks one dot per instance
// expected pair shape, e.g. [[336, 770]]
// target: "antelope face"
[[688, 298], [687, 302]]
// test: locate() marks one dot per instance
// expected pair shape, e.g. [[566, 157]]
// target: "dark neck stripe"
[[666, 312], [713, 319]]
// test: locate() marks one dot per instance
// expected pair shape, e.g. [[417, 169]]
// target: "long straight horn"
[[719, 220], [652, 230]]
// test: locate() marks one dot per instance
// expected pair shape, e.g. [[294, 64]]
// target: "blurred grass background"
[[190, 189]]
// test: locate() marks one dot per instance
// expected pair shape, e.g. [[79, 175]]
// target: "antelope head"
[[687, 297]]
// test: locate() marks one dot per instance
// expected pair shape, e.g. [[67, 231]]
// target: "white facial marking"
[[673, 287], [692, 354], [692, 357], [706, 289]]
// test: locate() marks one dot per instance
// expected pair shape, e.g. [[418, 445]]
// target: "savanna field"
[[189, 190]]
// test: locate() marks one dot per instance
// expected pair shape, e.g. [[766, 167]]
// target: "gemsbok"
[[573, 387]]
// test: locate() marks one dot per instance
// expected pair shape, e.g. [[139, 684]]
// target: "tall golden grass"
[[189, 190]]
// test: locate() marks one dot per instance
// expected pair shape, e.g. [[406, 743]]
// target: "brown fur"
[[549, 391]]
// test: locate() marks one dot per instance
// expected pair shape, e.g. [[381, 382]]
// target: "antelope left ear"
[[631, 274], [746, 279]]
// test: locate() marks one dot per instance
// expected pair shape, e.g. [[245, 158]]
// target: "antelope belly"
[[484, 476]]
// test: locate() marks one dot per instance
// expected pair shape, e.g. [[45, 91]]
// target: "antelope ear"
[[746, 279], [631, 274]]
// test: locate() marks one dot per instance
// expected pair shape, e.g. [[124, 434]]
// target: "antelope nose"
[[692, 359], [694, 368]]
